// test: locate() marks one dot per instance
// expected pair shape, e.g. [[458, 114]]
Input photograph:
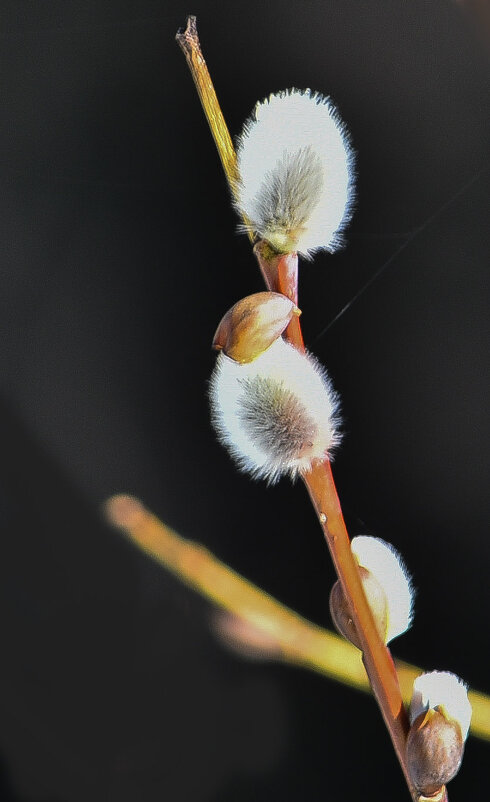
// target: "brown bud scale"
[[253, 324], [434, 751]]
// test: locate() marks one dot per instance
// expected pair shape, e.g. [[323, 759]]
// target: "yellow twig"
[[298, 641], [188, 40]]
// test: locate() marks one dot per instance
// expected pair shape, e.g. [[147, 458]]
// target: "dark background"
[[119, 256]]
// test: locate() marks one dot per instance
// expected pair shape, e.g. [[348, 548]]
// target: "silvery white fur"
[[275, 414], [388, 568], [296, 170], [442, 688]]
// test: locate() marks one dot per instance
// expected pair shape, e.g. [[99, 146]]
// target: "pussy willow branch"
[[295, 640], [280, 274]]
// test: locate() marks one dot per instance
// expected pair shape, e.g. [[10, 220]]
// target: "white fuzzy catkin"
[[276, 414], [444, 689], [296, 169], [388, 568]]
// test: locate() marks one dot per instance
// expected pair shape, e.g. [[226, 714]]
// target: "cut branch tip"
[[189, 31]]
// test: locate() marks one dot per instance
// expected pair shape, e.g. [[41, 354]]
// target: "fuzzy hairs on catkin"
[[444, 689], [296, 169], [440, 716], [385, 563], [275, 415]]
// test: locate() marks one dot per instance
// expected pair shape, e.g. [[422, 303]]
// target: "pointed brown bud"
[[253, 324], [339, 609], [434, 750]]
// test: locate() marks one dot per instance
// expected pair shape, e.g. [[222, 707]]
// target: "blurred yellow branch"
[[285, 634]]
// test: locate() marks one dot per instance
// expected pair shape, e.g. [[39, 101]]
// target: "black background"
[[119, 256]]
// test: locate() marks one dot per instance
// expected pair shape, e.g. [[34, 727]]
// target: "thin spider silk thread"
[[376, 275]]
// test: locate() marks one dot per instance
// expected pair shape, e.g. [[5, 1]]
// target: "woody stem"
[[280, 275]]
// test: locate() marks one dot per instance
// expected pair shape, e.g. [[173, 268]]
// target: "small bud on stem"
[[253, 324], [440, 714], [434, 751], [387, 586], [339, 609]]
